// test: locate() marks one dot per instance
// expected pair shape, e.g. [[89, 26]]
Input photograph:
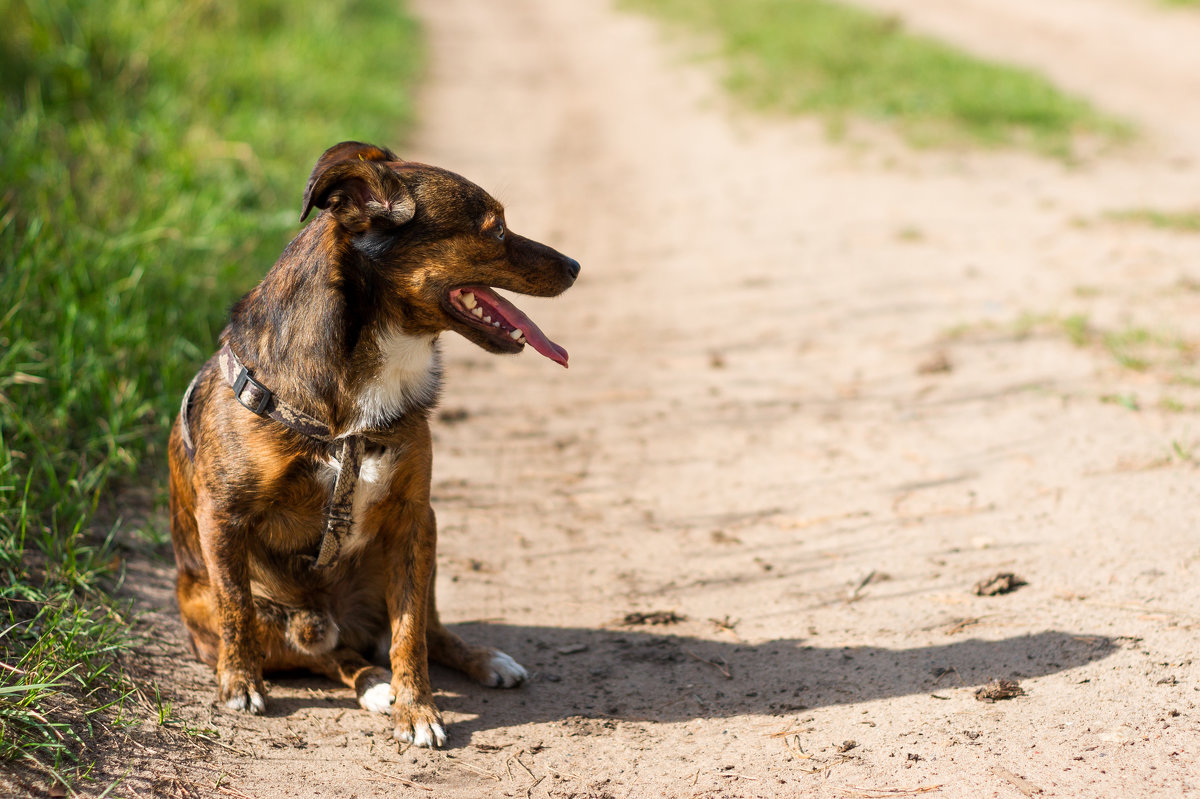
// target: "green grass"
[[813, 56], [1135, 348], [1171, 357], [1178, 221], [154, 156]]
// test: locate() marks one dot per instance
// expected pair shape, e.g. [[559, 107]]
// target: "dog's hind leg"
[[302, 638], [483, 664], [371, 684]]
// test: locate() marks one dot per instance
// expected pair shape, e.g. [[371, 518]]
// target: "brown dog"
[[300, 464]]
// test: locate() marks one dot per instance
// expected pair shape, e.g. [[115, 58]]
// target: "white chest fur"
[[408, 375], [374, 479]]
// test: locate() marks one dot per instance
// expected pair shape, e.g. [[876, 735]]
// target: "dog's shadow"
[[594, 676]]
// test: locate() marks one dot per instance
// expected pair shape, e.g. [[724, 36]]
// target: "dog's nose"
[[573, 268]]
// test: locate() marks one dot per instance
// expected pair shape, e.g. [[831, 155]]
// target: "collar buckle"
[[265, 395]]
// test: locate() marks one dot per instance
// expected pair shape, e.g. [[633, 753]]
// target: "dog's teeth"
[[477, 311], [515, 335], [488, 319], [494, 324], [468, 300]]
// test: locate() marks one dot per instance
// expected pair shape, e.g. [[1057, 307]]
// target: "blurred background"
[[997, 189]]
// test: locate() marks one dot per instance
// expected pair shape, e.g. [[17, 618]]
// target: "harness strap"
[[339, 517], [261, 401], [185, 426]]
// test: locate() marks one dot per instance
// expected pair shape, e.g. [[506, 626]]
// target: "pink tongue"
[[516, 318]]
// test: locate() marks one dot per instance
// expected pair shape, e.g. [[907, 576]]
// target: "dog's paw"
[[419, 726], [504, 672], [239, 692], [249, 701], [377, 696]]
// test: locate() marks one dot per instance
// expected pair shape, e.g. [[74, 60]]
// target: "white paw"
[[378, 698], [425, 734], [506, 672], [253, 702]]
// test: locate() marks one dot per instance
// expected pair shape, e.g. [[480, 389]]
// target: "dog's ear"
[[352, 179]]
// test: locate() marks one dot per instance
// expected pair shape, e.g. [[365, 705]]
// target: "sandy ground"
[[809, 408]]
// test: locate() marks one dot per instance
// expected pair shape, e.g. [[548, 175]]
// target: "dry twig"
[[481, 772], [393, 778], [517, 757], [961, 625], [875, 793], [788, 732], [221, 744], [716, 666], [184, 790], [229, 790], [862, 584], [1020, 783]]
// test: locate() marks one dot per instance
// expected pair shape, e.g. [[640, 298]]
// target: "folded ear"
[[353, 180]]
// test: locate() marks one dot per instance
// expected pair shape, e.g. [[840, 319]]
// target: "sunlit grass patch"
[[1172, 358], [154, 156], [1178, 221], [1132, 347], [813, 56]]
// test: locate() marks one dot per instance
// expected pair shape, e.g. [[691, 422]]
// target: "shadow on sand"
[[591, 676]]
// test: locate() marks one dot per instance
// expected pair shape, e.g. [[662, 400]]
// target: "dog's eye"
[[499, 231]]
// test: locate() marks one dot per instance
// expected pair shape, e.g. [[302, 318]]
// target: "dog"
[[300, 461]]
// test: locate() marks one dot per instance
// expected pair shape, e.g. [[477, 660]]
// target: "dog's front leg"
[[239, 660], [416, 717]]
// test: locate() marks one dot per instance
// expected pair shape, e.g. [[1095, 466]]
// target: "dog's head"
[[439, 246]]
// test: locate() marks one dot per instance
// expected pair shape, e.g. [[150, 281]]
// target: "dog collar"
[[261, 401]]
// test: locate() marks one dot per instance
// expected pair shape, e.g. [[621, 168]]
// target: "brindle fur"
[[247, 514]]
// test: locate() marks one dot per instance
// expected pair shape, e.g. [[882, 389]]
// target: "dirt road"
[[817, 391]]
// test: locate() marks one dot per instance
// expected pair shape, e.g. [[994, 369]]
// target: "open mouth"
[[504, 322]]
